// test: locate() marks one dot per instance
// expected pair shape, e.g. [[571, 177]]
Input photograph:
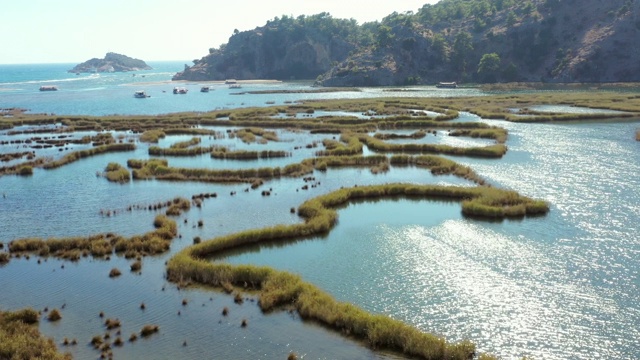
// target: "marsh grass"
[[115, 172], [54, 315], [637, 135], [225, 153], [149, 330], [101, 245], [277, 289], [152, 136], [21, 339], [179, 151], [77, 155]]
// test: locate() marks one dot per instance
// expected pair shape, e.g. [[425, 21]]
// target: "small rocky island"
[[112, 62]]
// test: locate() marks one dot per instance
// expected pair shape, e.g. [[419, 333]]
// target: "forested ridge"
[[453, 40]]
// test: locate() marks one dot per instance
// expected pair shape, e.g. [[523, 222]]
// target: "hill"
[[112, 62], [453, 40]]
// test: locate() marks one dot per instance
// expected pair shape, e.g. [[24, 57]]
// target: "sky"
[[73, 31]]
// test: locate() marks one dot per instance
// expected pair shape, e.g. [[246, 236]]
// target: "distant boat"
[[180, 90], [204, 89], [234, 86], [230, 81], [48, 88], [141, 94], [447, 85]]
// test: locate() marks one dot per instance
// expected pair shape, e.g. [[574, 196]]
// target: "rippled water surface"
[[562, 286]]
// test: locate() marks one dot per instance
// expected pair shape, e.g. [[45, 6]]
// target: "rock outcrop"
[[112, 62]]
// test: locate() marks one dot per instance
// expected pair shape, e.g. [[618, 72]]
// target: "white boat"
[[141, 94], [180, 90], [447, 85], [234, 86]]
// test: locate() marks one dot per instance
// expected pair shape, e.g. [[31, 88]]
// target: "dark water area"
[[562, 286]]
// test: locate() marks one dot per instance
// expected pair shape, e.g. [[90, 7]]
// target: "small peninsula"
[[112, 62]]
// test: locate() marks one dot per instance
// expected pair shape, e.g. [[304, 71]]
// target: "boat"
[[180, 90], [230, 81], [234, 86], [48, 88], [141, 94], [447, 85], [204, 89]]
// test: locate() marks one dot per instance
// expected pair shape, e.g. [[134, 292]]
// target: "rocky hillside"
[[112, 62], [285, 48], [453, 40]]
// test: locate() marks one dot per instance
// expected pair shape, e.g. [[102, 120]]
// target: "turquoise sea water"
[[563, 286]]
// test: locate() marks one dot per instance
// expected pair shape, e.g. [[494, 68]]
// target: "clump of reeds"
[[54, 315], [77, 155], [114, 273], [25, 170], [115, 172], [178, 205], [637, 135], [149, 330], [97, 341], [152, 136], [292, 356], [136, 265], [4, 257], [112, 324]]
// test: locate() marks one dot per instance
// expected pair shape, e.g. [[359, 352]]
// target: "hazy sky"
[[73, 31]]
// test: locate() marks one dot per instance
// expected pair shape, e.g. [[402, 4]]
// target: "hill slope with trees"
[[452, 40]]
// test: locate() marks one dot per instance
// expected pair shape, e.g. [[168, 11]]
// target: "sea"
[[562, 286]]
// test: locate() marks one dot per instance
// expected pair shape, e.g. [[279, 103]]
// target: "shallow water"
[[563, 286]]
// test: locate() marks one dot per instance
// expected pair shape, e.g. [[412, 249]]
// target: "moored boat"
[[180, 90], [140, 94], [447, 85], [48, 88], [204, 89]]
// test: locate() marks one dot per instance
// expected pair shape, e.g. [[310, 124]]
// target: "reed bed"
[[225, 153], [179, 151], [349, 145], [101, 245], [438, 166], [185, 144], [21, 339], [77, 155], [416, 135], [490, 151], [282, 289], [637, 135], [494, 133], [152, 136], [115, 172], [489, 107]]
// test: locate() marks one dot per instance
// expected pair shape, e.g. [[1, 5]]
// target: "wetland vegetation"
[[347, 137]]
